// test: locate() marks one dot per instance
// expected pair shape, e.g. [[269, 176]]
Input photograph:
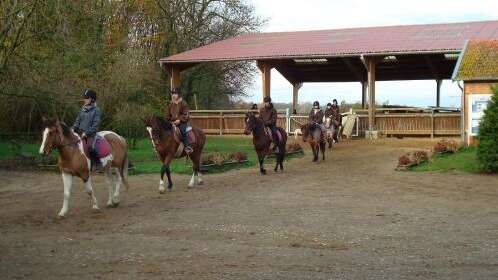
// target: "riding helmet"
[[176, 90], [267, 99], [316, 104], [329, 104], [90, 94], [335, 100]]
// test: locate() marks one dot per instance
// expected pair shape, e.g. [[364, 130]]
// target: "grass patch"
[[145, 160], [464, 160]]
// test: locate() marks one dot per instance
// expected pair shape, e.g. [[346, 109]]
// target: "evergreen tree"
[[487, 151]]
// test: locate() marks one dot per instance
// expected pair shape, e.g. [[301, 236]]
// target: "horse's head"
[[53, 135], [251, 123], [305, 131], [157, 127]]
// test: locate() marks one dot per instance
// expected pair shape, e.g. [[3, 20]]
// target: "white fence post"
[[287, 120]]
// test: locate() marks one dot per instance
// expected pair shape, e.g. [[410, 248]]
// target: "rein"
[[73, 143]]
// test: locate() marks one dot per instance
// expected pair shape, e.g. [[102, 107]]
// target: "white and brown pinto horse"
[[73, 161], [331, 127]]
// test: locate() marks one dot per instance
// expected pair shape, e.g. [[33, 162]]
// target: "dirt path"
[[350, 217]]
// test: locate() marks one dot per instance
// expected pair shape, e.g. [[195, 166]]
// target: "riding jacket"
[[88, 120], [316, 117], [178, 111], [268, 115]]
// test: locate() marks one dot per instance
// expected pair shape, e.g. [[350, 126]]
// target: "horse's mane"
[[257, 120], [166, 124], [66, 131]]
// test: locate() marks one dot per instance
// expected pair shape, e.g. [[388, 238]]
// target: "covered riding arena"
[[363, 55]]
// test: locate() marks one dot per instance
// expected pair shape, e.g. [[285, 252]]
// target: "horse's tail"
[[123, 171]]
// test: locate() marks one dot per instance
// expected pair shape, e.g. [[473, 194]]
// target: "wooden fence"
[[397, 121]]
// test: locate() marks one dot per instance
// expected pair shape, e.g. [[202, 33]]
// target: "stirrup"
[[188, 150]]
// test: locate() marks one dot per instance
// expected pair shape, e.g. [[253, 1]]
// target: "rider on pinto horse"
[[87, 124], [268, 115], [177, 112]]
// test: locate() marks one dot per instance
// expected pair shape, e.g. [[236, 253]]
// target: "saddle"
[[177, 135], [102, 146], [270, 135]]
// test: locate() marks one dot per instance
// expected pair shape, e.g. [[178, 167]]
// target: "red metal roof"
[[407, 39]]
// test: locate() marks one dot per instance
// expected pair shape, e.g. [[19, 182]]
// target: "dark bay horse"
[[313, 134], [262, 141], [166, 142], [74, 162]]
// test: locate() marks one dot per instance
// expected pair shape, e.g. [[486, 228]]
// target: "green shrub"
[[487, 150]]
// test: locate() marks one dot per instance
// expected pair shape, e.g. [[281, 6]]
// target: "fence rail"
[[389, 121]]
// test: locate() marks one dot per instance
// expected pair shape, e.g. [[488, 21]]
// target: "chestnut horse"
[[74, 162], [166, 142], [313, 134], [262, 141]]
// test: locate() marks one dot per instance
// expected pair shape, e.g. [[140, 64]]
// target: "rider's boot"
[[187, 146]]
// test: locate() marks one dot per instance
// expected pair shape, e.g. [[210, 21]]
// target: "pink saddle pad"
[[102, 147]]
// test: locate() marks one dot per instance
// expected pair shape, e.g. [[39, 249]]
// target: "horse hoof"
[[61, 216], [96, 209], [113, 205], [263, 172]]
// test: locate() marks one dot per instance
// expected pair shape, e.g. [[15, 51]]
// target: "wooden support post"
[[295, 93], [364, 87], [438, 92], [371, 63], [221, 123], [265, 69], [175, 80]]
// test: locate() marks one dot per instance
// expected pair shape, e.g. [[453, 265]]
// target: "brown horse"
[[262, 141], [313, 134], [74, 162], [166, 142]]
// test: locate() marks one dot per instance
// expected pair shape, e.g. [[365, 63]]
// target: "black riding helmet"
[[267, 99], [329, 104], [334, 101], [176, 90], [90, 94], [316, 104]]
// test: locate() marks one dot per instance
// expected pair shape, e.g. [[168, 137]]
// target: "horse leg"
[[110, 183], [67, 179], [165, 170], [119, 181], [89, 191], [261, 161], [322, 147], [315, 152], [197, 165]]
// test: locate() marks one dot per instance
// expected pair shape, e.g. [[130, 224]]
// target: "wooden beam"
[[295, 94], [358, 73], [434, 70], [265, 69]]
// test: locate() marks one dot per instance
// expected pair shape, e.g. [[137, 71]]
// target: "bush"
[[487, 150], [238, 156], [412, 158], [446, 146]]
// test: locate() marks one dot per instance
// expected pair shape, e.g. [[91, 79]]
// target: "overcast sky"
[[292, 15]]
